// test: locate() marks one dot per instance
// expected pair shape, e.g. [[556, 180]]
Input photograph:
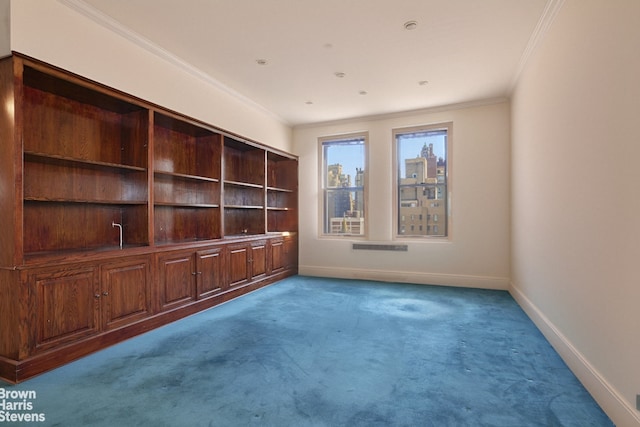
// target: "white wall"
[[576, 200], [5, 27], [477, 253], [51, 31]]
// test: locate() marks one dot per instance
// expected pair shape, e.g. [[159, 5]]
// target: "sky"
[[351, 156]]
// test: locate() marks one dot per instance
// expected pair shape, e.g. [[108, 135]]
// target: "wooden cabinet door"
[[125, 291], [210, 273], [239, 264], [277, 255], [290, 253], [258, 259], [67, 305], [176, 279]]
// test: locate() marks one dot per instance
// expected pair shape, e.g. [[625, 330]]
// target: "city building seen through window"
[[343, 185], [422, 180]]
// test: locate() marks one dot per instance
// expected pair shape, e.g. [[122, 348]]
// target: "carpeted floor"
[[325, 352]]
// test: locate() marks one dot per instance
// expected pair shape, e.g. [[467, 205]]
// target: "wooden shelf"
[[73, 162], [243, 220], [184, 149], [185, 223], [170, 191], [185, 176], [243, 207], [187, 162], [102, 133], [86, 201], [61, 179], [187, 205], [282, 172], [80, 226], [249, 197], [244, 164], [282, 193], [243, 184], [282, 190]]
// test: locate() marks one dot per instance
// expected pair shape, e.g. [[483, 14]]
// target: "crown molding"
[[542, 27], [116, 27], [407, 113]]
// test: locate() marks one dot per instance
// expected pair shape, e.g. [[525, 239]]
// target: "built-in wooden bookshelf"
[[85, 167], [187, 175], [282, 193], [120, 216], [244, 188]]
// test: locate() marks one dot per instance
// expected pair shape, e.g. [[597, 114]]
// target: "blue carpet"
[[324, 352]]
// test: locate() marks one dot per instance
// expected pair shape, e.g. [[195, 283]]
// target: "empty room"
[[319, 213]]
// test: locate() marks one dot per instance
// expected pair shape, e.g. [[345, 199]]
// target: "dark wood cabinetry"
[[248, 261], [210, 269], [125, 291], [278, 255], [76, 300], [120, 216], [67, 304], [177, 282]]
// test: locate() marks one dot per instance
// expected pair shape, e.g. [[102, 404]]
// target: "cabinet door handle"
[[96, 296], [105, 293]]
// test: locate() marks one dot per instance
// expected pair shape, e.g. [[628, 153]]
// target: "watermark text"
[[18, 406]]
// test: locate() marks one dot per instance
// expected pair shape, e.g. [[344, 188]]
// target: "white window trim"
[[395, 217], [321, 190]]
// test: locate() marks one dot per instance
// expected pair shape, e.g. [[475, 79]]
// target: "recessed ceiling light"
[[309, 102], [423, 82], [363, 92], [410, 25], [261, 61], [339, 74]]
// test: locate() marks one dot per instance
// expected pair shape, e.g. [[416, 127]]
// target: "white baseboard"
[[621, 412], [458, 280]]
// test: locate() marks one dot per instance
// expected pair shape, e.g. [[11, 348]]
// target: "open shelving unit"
[[186, 181], [84, 167], [120, 216], [282, 193], [244, 188]]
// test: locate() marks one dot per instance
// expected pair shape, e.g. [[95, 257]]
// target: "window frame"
[[323, 190], [443, 126]]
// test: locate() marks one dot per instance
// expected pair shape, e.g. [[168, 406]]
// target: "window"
[[422, 165], [343, 185]]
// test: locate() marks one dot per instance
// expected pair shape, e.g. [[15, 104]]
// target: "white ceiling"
[[467, 50]]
